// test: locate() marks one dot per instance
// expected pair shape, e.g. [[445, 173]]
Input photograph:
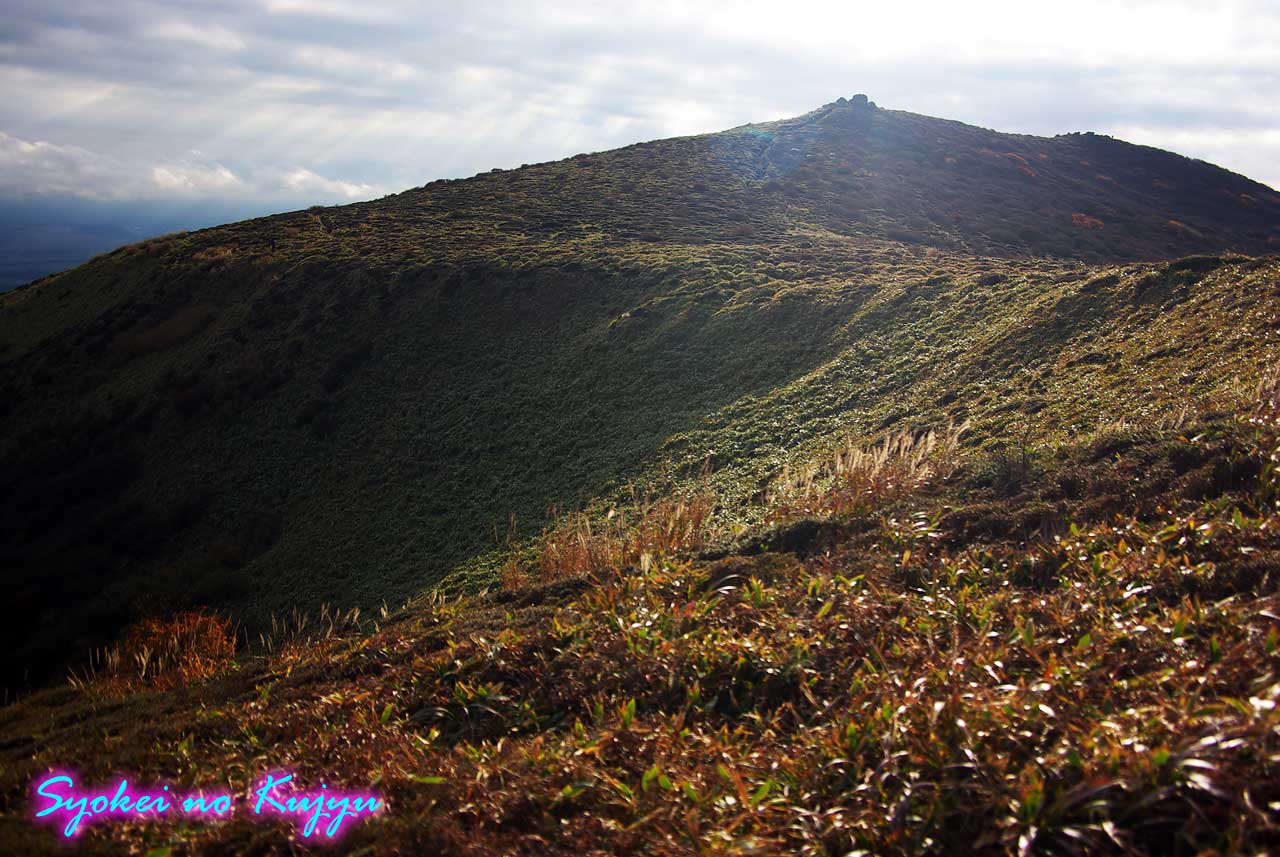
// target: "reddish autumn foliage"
[[1084, 221], [170, 652]]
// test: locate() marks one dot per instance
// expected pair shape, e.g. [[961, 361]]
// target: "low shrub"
[[165, 653]]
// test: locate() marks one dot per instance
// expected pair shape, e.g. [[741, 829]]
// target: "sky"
[[278, 104]]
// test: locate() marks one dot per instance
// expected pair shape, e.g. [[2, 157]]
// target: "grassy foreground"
[[1072, 649]]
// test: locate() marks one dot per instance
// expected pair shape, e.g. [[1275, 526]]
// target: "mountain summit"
[[346, 404], [856, 170]]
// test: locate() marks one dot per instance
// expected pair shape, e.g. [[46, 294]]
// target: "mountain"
[[346, 405], [857, 480]]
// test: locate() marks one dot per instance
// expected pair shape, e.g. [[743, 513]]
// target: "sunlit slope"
[[343, 404]]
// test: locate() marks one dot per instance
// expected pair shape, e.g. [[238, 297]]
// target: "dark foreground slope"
[[344, 404], [1072, 650]]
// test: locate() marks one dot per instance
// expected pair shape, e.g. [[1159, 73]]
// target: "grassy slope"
[[1081, 661], [342, 404], [402, 465]]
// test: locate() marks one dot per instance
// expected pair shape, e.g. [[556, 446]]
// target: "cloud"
[[219, 39], [188, 179], [306, 183], [342, 99], [45, 169]]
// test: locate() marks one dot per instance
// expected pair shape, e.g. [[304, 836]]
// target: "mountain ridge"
[[793, 489], [346, 402]]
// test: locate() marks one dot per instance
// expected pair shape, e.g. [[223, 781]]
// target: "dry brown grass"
[[214, 255], [858, 479], [1110, 689], [164, 653], [636, 535], [292, 633], [1266, 420]]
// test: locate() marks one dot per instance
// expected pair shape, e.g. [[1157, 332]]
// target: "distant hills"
[[32, 251], [349, 404], [41, 236]]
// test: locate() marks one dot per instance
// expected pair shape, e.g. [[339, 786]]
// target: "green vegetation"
[[1083, 662], [855, 481], [254, 432]]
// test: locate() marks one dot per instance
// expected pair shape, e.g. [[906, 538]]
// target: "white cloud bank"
[[45, 169]]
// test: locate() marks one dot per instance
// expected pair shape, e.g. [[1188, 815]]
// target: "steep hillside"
[[346, 405], [1066, 650]]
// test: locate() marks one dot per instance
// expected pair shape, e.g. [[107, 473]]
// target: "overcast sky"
[[290, 102]]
